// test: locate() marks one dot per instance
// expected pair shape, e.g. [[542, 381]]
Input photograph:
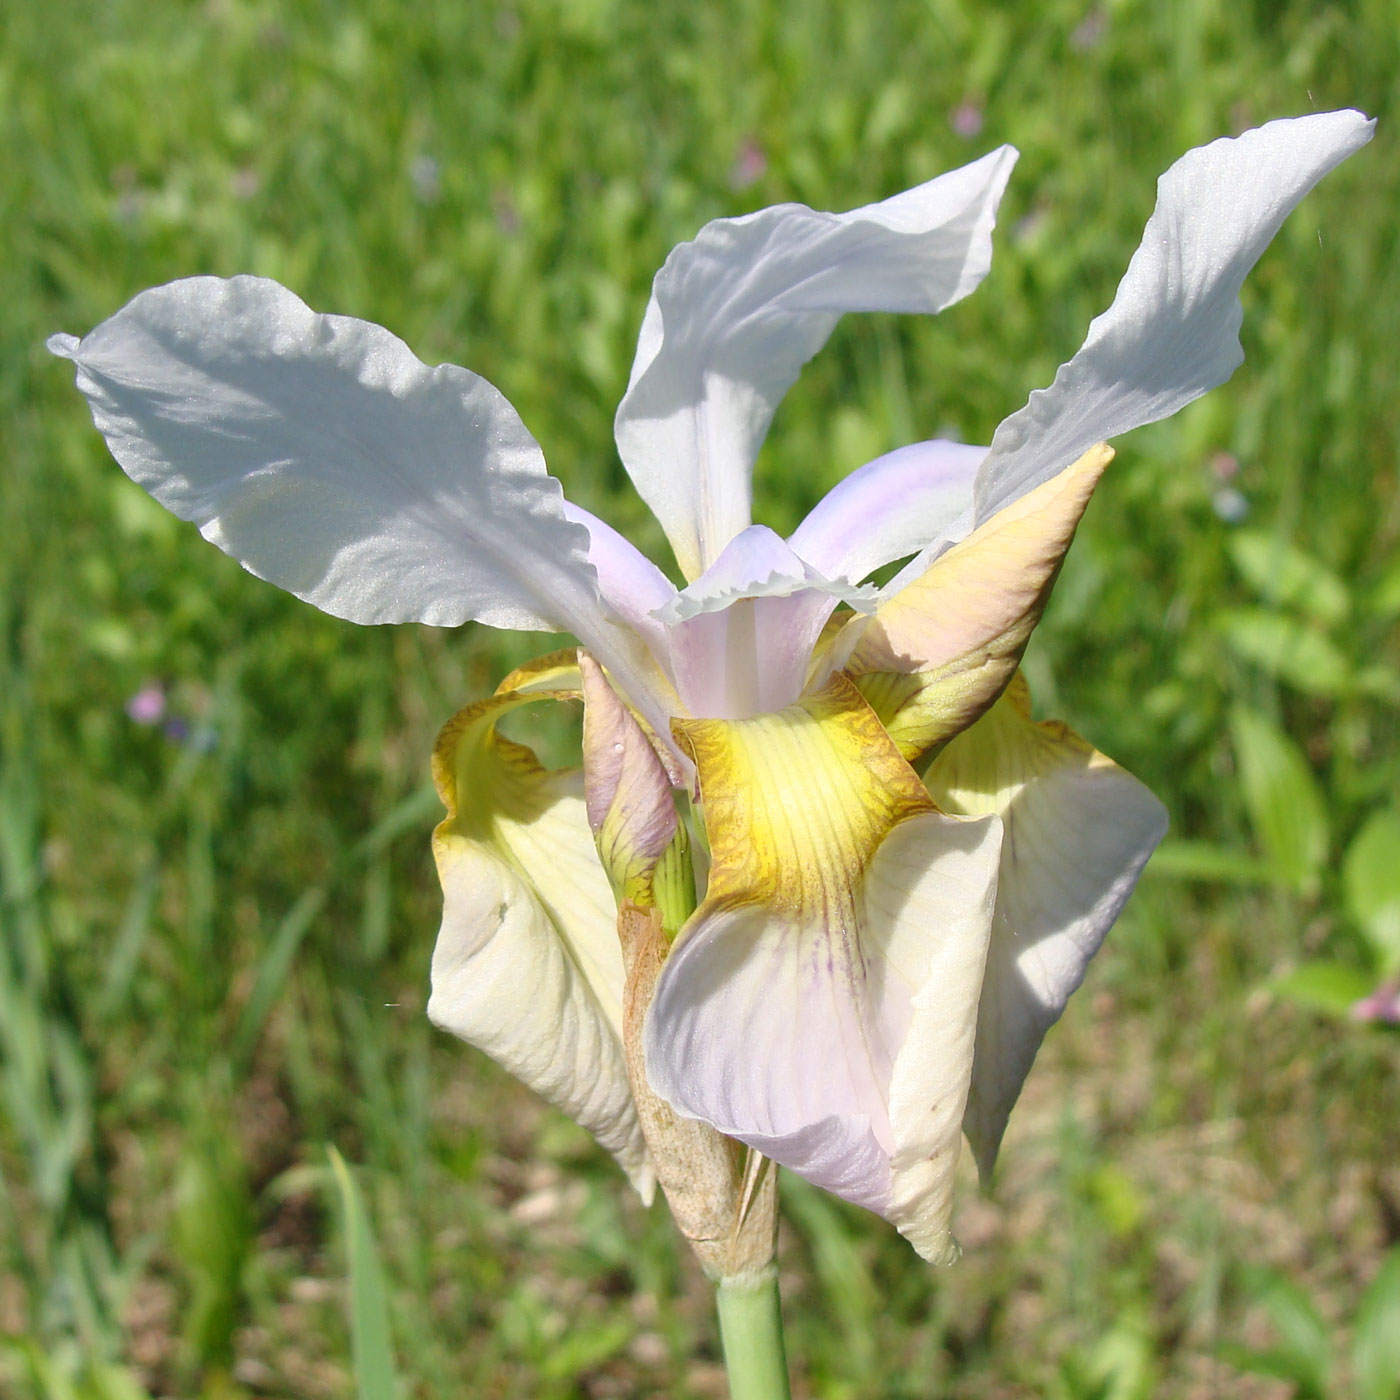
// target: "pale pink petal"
[[842, 1050], [888, 508], [740, 638]]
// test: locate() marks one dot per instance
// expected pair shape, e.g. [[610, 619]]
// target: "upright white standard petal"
[[1172, 331], [325, 457], [735, 315], [1078, 832]]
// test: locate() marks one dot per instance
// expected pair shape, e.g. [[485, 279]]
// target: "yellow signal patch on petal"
[[796, 802], [471, 732], [959, 629], [527, 965], [985, 768], [820, 1005]]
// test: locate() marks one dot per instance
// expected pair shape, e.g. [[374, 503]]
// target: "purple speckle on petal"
[[147, 706]]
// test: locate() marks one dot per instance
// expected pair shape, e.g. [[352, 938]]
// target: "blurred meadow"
[[217, 903]]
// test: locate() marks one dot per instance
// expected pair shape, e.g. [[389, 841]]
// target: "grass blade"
[[369, 1300]]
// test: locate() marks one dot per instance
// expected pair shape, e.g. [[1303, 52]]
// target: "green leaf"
[[1300, 1328], [369, 1299], [1283, 800], [1121, 1362], [1304, 1352], [1119, 1366], [852, 1295], [1282, 574], [48, 1374], [43, 1374], [1371, 886], [275, 963], [1118, 1202], [1296, 653], [213, 1237], [1378, 680], [108, 1382], [1272, 1361], [1324, 986], [1385, 599], [273, 968], [1376, 1354], [1203, 860], [583, 1348]]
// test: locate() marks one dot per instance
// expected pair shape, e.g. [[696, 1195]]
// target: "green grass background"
[[215, 945]]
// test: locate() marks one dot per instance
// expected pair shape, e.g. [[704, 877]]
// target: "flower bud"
[[628, 793]]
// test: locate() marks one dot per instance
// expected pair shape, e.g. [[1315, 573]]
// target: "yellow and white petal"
[[527, 965], [1078, 832], [958, 631], [820, 1005]]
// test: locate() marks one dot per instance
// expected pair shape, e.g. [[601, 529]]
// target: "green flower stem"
[[673, 883], [751, 1328]]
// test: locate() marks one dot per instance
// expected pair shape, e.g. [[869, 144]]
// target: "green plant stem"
[[751, 1328]]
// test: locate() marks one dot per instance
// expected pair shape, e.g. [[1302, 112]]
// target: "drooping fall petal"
[[821, 1003], [527, 965], [1078, 832], [735, 314]]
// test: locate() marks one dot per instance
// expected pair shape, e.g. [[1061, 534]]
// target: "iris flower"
[[901, 876]]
